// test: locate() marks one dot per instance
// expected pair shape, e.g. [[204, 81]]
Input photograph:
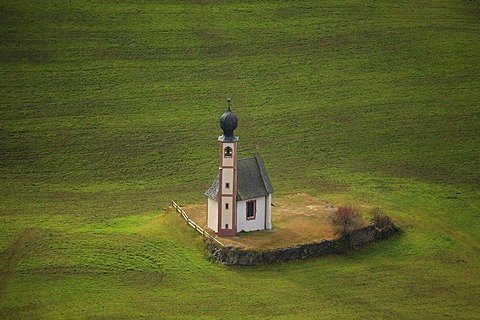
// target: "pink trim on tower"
[[232, 229]]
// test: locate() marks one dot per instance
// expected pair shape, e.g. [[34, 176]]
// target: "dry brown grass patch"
[[296, 219]]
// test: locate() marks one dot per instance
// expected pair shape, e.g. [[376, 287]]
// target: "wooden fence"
[[193, 224]]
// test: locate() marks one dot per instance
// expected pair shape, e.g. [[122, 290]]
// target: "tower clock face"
[[228, 152]]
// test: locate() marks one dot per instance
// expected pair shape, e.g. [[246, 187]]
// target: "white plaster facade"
[[261, 221], [212, 216]]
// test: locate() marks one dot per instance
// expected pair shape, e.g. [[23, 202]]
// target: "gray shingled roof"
[[213, 190], [252, 180]]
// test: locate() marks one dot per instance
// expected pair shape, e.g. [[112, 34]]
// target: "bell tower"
[[227, 182]]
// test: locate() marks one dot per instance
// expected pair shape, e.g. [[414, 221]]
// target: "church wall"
[[268, 208], [250, 225], [212, 216]]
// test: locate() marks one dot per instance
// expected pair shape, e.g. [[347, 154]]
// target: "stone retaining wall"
[[235, 256]]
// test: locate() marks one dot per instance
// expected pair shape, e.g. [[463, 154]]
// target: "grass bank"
[[109, 110]]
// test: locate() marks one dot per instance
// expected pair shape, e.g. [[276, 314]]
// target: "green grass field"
[[109, 110]]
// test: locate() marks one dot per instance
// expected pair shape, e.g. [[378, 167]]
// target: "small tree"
[[346, 219], [381, 220]]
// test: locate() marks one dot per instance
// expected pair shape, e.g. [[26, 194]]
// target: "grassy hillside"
[[108, 110]]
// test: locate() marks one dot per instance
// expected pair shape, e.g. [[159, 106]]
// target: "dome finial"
[[228, 123]]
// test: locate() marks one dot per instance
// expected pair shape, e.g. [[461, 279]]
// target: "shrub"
[[381, 220], [346, 219]]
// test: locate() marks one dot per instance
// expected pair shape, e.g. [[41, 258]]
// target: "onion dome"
[[228, 123]]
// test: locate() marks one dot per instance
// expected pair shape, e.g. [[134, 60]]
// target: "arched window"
[[228, 152]]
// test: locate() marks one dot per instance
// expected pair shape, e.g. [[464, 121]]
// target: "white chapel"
[[239, 199]]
